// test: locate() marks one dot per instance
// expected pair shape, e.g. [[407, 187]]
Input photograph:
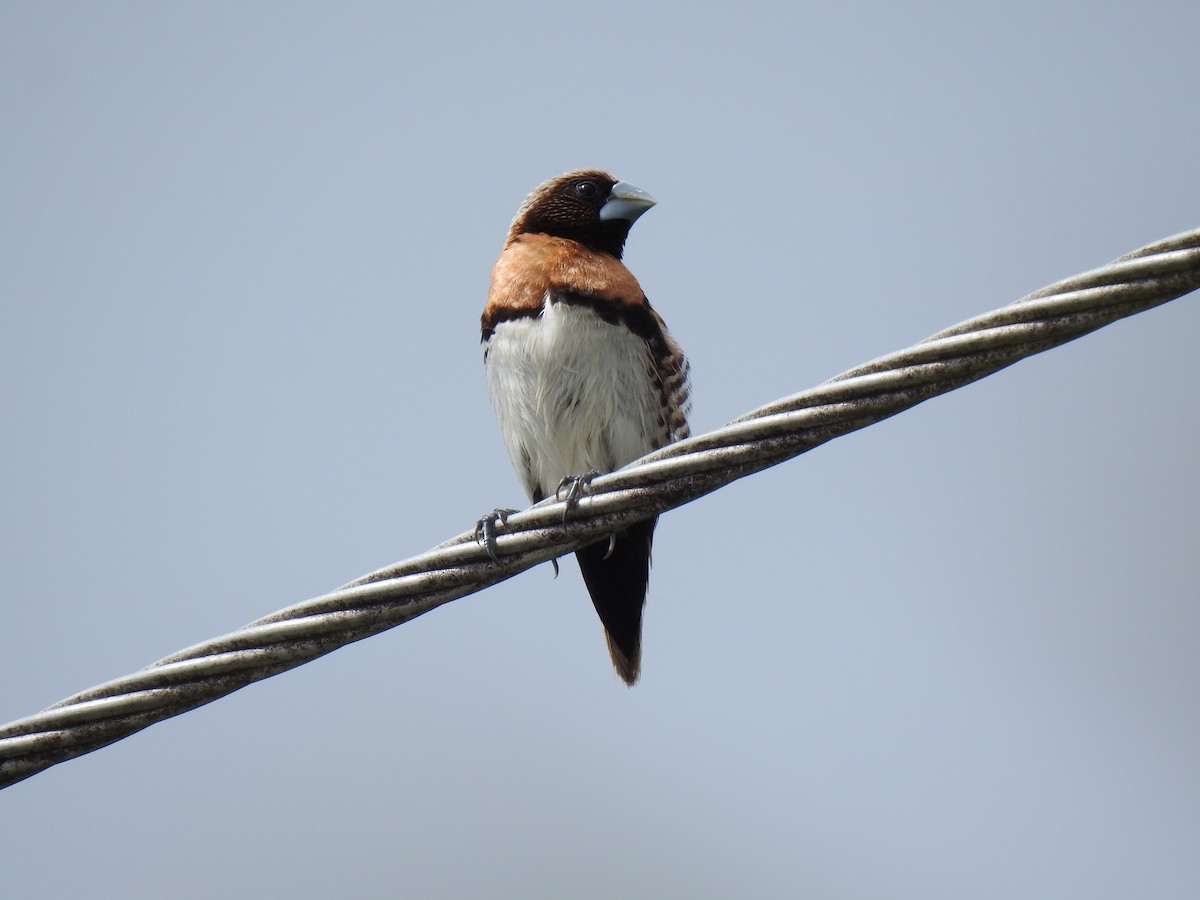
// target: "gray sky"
[[244, 248]]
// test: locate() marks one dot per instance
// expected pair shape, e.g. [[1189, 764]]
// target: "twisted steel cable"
[[660, 481]]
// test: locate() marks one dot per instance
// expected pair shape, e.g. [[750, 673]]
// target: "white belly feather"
[[572, 393]]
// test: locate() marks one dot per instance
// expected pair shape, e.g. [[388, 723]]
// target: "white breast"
[[572, 393]]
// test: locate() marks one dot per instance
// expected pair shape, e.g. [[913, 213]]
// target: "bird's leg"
[[485, 530]]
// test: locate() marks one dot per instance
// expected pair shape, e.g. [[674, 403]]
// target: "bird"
[[582, 373]]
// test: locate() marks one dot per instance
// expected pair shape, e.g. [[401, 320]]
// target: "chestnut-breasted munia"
[[582, 373]]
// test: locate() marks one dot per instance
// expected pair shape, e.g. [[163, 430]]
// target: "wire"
[[663, 480]]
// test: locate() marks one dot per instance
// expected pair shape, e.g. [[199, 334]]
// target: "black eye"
[[587, 190]]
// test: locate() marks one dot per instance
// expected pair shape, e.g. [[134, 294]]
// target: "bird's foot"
[[571, 488], [576, 486], [485, 530]]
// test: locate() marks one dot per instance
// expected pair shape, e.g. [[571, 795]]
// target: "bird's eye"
[[587, 190]]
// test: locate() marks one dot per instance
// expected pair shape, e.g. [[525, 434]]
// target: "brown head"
[[587, 205]]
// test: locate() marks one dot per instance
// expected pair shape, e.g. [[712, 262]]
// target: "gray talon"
[[612, 545], [576, 486], [485, 530]]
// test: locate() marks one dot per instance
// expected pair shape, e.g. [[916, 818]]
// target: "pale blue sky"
[[243, 252]]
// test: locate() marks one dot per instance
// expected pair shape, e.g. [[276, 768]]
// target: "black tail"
[[618, 589]]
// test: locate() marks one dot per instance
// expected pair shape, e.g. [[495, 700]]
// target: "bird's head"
[[587, 205]]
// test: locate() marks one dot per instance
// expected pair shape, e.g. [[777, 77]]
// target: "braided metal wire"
[[660, 481]]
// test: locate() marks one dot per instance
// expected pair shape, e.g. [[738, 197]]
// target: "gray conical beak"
[[625, 202]]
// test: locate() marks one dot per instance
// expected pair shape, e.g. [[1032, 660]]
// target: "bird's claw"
[[576, 487], [612, 545], [485, 530]]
